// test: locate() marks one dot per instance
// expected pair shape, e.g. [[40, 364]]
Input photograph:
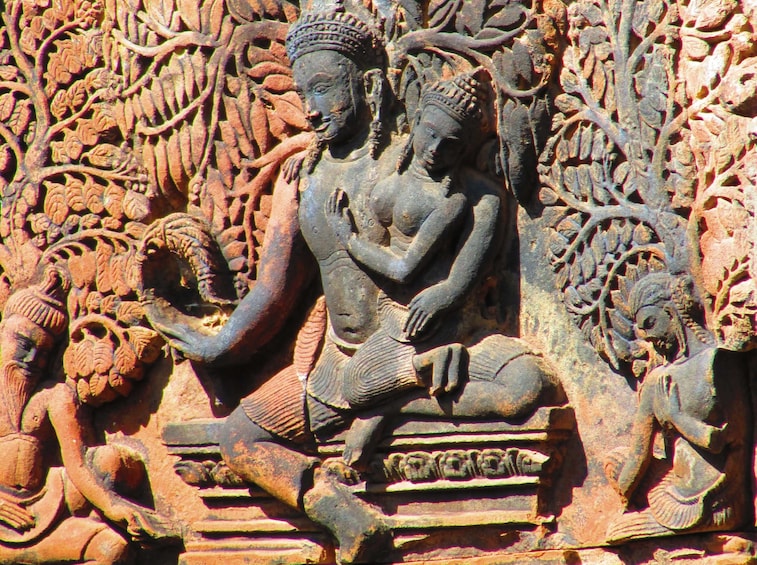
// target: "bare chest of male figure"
[[21, 450], [350, 291]]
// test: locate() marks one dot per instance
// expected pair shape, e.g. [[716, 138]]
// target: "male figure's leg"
[[286, 470], [264, 459], [75, 539]]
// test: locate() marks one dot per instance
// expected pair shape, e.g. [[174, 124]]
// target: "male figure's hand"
[[448, 365], [16, 516]]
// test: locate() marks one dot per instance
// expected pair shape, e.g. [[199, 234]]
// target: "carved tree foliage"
[[208, 104], [109, 347], [616, 190], [719, 61], [116, 113], [73, 192], [64, 167]]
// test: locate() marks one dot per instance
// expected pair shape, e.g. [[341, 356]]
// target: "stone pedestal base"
[[451, 490]]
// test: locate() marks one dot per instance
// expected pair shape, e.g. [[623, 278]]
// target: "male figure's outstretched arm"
[[283, 272]]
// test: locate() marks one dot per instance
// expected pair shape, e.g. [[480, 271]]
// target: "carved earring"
[[680, 334], [407, 151], [373, 82], [313, 154]]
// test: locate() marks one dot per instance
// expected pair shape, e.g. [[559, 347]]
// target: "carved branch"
[[182, 40], [55, 34], [179, 117], [56, 170], [37, 92], [17, 86], [56, 128], [13, 142]]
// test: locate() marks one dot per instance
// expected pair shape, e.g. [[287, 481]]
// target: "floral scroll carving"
[[611, 197], [458, 465], [721, 140]]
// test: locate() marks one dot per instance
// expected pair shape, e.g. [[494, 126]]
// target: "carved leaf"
[[8, 72], [261, 132], [20, 117], [83, 390], [160, 156], [120, 383], [102, 117], [99, 388], [7, 104], [185, 149], [211, 17], [84, 357], [508, 17], [102, 356], [199, 136], [74, 190], [76, 94], [130, 313], [190, 13], [113, 198], [56, 206], [86, 132], [146, 343], [83, 269], [174, 164], [118, 275], [93, 196], [108, 304], [69, 361], [438, 11], [126, 362], [103, 253], [104, 155], [136, 206], [289, 109]]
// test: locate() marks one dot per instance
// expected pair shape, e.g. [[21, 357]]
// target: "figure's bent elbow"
[[401, 275]]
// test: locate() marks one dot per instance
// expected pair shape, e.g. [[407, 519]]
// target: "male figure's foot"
[[362, 437], [360, 529]]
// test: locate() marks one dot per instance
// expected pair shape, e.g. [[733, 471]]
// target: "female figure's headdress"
[[463, 98]]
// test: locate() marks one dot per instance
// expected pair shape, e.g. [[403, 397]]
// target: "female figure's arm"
[[400, 268], [479, 243], [642, 434], [693, 429]]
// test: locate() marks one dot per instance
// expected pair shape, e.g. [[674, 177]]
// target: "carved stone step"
[[427, 477]]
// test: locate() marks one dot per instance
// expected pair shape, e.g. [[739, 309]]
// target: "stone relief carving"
[[697, 395], [379, 297], [722, 115], [330, 209], [82, 509], [625, 186]]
